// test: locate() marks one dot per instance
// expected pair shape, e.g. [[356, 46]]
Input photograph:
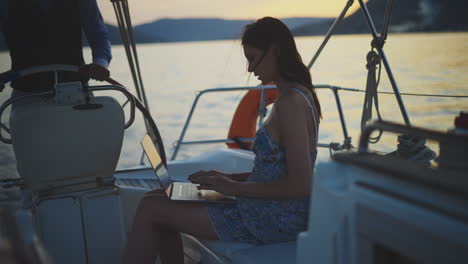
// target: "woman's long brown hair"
[[268, 31]]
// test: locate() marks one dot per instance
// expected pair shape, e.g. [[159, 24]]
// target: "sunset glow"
[[149, 10]]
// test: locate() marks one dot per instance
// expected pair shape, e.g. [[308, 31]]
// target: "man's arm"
[[96, 32]]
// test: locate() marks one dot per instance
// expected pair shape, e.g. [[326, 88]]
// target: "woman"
[[272, 199]]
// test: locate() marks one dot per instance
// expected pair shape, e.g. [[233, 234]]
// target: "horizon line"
[[217, 18]]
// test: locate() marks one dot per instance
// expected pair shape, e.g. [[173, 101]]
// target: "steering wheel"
[[134, 102]]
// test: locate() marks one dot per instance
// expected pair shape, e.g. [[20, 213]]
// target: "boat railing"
[[262, 111]]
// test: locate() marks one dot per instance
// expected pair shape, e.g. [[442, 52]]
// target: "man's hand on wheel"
[[97, 72]]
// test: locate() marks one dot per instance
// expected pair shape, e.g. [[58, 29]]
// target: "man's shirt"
[[92, 24]]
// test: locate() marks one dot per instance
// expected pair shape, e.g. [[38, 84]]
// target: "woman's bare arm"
[[239, 177]]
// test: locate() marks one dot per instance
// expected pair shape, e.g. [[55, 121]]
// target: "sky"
[[144, 11]]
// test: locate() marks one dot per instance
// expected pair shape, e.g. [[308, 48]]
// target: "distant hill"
[[407, 16], [448, 15], [140, 37], [198, 29], [192, 29]]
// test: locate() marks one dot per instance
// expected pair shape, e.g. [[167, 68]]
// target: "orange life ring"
[[244, 121]]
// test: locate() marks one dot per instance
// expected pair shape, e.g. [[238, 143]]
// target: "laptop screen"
[[155, 160]]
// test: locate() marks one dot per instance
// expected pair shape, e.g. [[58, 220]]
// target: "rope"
[[388, 14], [371, 96], [414, 149], [409, 147]]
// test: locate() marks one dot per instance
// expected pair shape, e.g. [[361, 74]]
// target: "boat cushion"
[[267, 254], [226, 248], [244, 253]]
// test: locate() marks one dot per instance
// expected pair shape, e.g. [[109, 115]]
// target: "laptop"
[[179, 191]]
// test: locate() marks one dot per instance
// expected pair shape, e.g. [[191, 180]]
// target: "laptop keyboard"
[[188, 191]]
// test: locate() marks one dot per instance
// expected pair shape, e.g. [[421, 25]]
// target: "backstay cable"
[[122, 14]]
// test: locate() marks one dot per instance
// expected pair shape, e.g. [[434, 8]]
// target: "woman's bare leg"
[[156, 227], [171, 246]]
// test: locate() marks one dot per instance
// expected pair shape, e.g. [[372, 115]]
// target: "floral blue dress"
[[259, 220]]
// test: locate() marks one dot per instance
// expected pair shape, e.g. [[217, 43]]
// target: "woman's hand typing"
[[214, 180]]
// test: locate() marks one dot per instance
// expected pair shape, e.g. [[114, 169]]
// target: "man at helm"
[[42, 32]]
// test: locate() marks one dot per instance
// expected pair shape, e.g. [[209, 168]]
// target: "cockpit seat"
[[228, 252], [58, 146]]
